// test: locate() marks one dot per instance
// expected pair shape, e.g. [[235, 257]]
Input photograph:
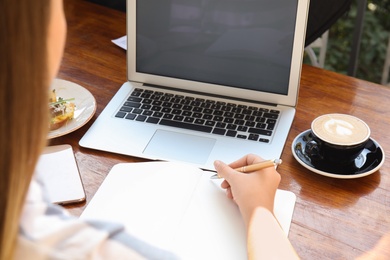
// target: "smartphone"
[[57, 169]]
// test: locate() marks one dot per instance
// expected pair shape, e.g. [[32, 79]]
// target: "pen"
[[254, 167]]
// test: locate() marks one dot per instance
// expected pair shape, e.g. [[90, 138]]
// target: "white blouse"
[[47, 231]]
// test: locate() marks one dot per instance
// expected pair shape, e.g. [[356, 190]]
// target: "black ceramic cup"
[[337, 139]]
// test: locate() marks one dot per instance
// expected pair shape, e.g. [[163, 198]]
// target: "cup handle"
[[313, 150]]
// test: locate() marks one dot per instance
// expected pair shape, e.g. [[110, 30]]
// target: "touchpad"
[[180, 147]]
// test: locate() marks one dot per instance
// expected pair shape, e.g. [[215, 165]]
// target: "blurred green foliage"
[[373, 44]]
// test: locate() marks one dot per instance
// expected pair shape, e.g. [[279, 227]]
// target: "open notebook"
[[179, 208]]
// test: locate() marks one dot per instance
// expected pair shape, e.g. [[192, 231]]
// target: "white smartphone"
[[57, 168]]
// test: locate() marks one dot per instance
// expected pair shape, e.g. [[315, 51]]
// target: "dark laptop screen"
[[238, 43]]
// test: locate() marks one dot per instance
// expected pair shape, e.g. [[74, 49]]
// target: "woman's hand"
[[249, 190]]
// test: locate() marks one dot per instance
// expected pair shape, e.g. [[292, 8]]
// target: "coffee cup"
[[337, 139]]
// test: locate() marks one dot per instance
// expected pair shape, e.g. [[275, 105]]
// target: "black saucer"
[[368, 162]]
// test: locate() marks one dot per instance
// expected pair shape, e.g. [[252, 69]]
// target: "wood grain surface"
[[333, 218]]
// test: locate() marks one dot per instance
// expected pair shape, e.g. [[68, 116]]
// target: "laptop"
[[207, 80]]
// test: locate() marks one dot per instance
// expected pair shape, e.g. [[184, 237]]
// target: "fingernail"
[[217, 163]]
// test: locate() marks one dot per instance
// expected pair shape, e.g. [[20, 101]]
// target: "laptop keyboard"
[[204, 115]]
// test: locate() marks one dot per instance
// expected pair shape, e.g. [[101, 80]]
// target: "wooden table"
[[333, 218]]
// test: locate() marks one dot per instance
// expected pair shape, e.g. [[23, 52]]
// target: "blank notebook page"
[[179, 208]]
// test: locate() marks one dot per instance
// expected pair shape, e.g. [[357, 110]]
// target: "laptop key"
[[218, 113], [137, 111], [218, 119], [271, 115], [231, 133], [228, 114], [219, 131], [178, 118], [131, 116], [260, 119], [208, 111], [166, 110], [271, 127], [197, 115], [250, 124], [231, 127], [260, 131], [186, 113], [167, 104], [239, 122], [261, 125], [156, 108], [141, 118], [199, 121], [147, 113], [158, 114], [228, 120], [207, 117], [242, 128], [134, 99], [189, 119], [153, 120], [132, 104], [168, 116], [210, 123], [120, 114], [221, 125], [157, 103], [257, 113], [168, 95], [146, 106], [125, 109], [188, 126], [136, 93], [177, 106], [145, 95], [247, 112]]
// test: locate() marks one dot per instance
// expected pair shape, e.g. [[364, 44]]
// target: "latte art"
[[340, 129]]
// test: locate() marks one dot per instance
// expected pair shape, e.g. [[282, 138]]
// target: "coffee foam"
[[340, 129]]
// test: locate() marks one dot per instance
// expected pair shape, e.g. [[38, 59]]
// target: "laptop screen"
[[239, 43]]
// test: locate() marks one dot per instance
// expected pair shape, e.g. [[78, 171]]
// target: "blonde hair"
[[23, 107]]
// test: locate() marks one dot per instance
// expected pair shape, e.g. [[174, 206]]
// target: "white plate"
[[84, 101]]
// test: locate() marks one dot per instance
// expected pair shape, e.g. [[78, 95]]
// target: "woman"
[[254, 193], [32, 36], [23, 79]]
